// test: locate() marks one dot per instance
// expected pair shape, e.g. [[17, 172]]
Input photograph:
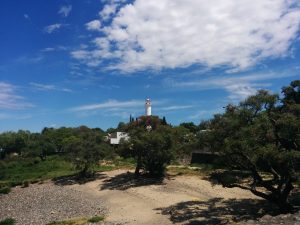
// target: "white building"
[[148, 107], [115, 138]]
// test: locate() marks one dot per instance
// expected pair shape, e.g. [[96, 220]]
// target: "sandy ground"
[[180, 200]]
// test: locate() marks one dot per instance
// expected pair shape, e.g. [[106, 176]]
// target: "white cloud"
[[9, 99], [238, 87], [65, 10], [52, 49], [176, 107], [94, 25], [53, 27], [202, 114], [48, 87], [111, 105], [170, 34], [42, 87], [107, 11], [5, 116], [26, 16], [48, 49]]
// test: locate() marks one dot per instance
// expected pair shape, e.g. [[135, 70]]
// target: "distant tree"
[[190, 126], [261, 135], [184, 142], [121, 126], [111, 130], [164, 122], [131, 119], [84, 149]]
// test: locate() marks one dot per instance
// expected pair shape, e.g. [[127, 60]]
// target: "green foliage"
[[96, 219], [4, 190], [16, 171], [25, 184], [184, 142], [261, 134], [190, 126], [152, 149], [8, 221], [84, 149]]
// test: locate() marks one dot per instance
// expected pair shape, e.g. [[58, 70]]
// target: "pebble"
[[40, 204]]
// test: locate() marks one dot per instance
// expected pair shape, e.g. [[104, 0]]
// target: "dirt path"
[[176, 200]]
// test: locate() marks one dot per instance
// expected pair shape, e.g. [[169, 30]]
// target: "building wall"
[[116, 137]]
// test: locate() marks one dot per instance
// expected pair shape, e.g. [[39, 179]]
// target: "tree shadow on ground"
[[77, 179], [128, 180], [236, 177], [218, 211], [227, 177]]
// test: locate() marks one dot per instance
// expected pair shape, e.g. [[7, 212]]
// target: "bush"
[[4, 190], [25, 184], [96, 219], [8, 221]]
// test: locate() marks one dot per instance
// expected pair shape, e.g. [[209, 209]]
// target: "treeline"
[[84, 146]]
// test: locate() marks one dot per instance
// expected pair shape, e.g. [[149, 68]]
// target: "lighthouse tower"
[[148, 107]]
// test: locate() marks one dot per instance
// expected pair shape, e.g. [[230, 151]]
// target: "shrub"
[[96, 219], [8, 221], [25, 184], [4, 190]]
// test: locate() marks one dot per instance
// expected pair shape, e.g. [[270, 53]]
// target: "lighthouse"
[[148, 107]]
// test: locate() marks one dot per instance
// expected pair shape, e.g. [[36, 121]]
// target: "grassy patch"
[[79, 221], [96, 219], [118, 163], [8, 221], [22, 171]]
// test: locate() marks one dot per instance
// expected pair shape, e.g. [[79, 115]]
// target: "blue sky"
[[94, 62]]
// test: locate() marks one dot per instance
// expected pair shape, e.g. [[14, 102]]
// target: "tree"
[[164, 121], [84, 149], [190, 126], [152, 148], [184, 142], [261, 135]]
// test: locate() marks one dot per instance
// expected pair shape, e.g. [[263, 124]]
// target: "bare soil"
[[125, 200], [180, 199]]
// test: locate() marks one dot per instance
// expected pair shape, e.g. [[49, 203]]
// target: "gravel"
[[283, 219], [40, 204]]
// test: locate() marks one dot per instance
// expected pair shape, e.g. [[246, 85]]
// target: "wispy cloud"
[[9, 99], [5, 116], [176, 107], [65, 10], [56, 48], [239, 87], [53, 27], [111, 105], [26, 16], [204, 114], [29, 59], [48, 87]]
